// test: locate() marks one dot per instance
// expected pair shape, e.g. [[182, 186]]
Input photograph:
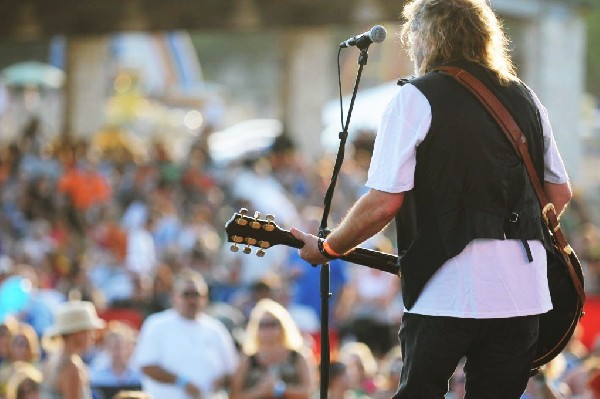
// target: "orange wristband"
[[329, 250]]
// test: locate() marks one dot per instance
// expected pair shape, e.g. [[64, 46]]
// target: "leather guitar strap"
[[519, 143]]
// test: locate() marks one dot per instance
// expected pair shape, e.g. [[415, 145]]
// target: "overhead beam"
[[35, 19], [39, 19]]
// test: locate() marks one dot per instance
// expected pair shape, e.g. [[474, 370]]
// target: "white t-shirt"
[[489, 278], [200, 350]]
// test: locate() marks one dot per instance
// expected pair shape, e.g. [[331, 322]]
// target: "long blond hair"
[[441, 31], [292, 338]]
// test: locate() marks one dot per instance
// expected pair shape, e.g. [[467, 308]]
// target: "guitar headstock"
[[252, 231]]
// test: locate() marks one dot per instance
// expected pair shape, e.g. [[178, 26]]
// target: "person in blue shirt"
[[305, 284], [112, 368]]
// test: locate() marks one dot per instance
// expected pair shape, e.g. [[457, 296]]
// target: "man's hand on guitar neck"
[[310, 252], [369, 215]]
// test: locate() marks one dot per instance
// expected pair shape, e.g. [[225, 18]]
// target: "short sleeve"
[[554, 167], [148, 349], [224, 341], [403, 126]]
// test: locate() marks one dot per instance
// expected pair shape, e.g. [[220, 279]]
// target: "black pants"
[[498, 353]]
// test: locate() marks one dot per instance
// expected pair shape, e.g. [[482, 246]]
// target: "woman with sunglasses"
[[275, 361]]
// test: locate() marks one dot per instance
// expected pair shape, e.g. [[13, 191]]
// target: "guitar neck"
[[361, 256], [264, 233]]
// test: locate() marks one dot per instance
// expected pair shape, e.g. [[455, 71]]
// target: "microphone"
[[375, 35]]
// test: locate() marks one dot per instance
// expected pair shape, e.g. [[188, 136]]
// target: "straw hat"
[[74, 316]]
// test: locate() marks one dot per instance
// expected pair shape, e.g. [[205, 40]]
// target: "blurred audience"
[[362, 368], [390, 369], [339, 384], [373, 310]]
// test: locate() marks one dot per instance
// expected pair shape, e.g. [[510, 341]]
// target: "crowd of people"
[[97, 246]]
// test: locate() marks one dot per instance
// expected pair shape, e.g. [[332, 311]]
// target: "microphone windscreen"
[[377, 34]]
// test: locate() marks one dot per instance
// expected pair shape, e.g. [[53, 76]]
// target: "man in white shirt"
[[184, 353], [474, 276]]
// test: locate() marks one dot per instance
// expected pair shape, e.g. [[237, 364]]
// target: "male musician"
[[474, 276]]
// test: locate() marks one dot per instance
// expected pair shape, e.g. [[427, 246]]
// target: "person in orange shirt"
[[84, 188]]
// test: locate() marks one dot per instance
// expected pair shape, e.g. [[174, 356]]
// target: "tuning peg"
[[264, 244], [234, 248], [251, 241], [260, 253], [269, 226], [247, 250], [237, 239], [255, 224], [241, 220]]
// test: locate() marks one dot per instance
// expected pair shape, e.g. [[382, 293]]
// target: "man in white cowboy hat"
[[65, 374], [183, 352]]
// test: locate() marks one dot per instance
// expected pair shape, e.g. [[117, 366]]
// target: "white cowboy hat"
[[74, 316]]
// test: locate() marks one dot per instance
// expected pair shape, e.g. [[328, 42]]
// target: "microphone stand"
[[325, 274]]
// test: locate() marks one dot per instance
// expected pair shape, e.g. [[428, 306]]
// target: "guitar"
[[556, 326], [264, 233]]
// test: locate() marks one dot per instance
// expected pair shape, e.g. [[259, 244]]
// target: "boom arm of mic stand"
[[325, 275]]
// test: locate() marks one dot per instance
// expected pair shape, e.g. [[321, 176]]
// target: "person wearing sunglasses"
[[183, 352], [275, 362]]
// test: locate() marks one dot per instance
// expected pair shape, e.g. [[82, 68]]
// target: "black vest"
[[469, 182]]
